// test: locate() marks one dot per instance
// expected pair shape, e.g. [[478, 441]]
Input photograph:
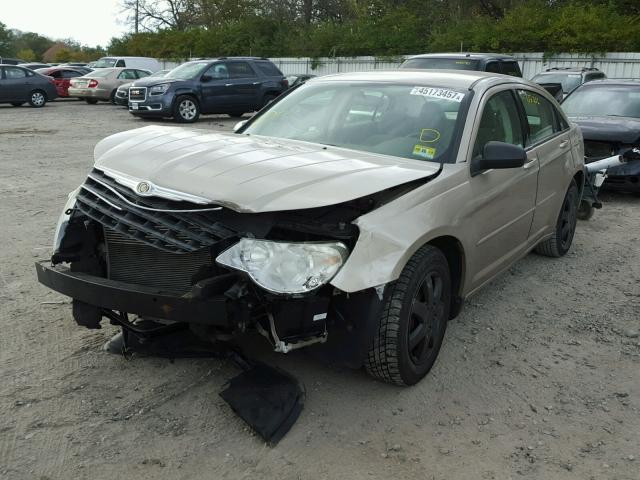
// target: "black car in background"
[[20, 85], [481, 62], [608, 112], [569, 77], [231, 85]]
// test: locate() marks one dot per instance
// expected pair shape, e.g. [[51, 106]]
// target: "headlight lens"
[[159, 89], [63, 220], [286, 267]]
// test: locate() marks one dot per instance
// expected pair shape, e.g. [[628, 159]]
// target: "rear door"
[[246, 85], [501, 216], [548, 137]]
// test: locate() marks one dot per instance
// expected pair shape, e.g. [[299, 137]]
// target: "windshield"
[[105, 62], [441, 63], [407, 121], [187, 71], [159, 73], [568, 82], [601, 100]]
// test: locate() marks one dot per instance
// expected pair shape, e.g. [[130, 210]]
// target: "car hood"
[[149, 82], [252, 174], [609, 129]]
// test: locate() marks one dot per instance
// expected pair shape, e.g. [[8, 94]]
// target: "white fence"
[[614, 65]]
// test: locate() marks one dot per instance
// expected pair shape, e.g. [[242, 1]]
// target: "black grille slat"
[[181, 228]]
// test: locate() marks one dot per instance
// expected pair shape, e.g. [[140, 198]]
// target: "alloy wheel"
[[187, 109], [37, 99], [568, 219], [425, 316]]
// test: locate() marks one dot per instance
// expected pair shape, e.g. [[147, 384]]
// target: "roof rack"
[[582, 69]]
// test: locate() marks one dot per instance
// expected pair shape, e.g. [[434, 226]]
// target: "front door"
[[15, 84], [505, 198], [217, 88]]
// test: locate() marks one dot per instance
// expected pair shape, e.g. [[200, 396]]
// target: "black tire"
[[91, 101], [112, 98], [186, 109], [236, 114], [585, 210], [560, 242], [416, 305], [17, 104], [37, 99]]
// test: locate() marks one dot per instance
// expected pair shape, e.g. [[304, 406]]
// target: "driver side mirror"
[[498, 155]]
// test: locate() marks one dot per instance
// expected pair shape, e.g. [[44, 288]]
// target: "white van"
[[144, 63]]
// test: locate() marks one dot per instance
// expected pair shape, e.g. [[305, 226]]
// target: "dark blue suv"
[[231, 85]]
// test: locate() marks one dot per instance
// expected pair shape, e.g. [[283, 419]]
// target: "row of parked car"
[[607, 110]]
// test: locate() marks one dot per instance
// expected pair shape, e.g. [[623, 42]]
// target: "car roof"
[[632, 82], [464, 79], [473, 56]]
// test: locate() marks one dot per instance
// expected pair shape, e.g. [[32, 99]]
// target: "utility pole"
[[137, 14]]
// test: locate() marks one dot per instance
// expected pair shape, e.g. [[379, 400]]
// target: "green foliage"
[[26, 54]]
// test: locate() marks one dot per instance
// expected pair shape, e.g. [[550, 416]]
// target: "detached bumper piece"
[[104, 293]]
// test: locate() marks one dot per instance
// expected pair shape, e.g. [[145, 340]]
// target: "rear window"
[[269, 69], [441, 63], [511, 68]]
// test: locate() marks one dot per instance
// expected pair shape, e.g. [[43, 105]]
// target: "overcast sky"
[[90, 22]]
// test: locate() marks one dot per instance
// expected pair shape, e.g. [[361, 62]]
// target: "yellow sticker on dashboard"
[[425, 152]]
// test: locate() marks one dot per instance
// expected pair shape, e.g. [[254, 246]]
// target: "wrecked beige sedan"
[[352, 216]]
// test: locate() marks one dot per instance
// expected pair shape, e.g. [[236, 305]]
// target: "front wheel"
[[560, 241], [37, 99], [413, 321], [186, 109]]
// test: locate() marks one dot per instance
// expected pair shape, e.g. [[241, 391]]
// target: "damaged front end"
[[218, 271]]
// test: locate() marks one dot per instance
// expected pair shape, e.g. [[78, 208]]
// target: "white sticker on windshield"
[[442, 93]]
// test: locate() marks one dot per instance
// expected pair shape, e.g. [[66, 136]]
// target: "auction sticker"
[[424, 152], [442, 93]]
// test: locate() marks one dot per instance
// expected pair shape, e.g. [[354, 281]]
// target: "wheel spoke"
[[421, 310], [417, 335]]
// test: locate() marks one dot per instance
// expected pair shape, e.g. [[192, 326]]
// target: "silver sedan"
[[102, 83]]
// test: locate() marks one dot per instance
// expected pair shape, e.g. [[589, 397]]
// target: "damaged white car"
[[352, 216]]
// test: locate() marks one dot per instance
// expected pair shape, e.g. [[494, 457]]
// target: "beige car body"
[[107, 85], [483, 223]]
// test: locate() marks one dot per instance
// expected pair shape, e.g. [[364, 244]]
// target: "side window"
[[540, 116], [241, 70], [269, 69], [70, 74], [511, 68], [142, 73], [500, 122], [120, 63], [57, 74], [218, 71], [493, 67], [127, 75], [14, 73]]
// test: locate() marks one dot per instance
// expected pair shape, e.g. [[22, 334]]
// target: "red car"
[[61, 77]]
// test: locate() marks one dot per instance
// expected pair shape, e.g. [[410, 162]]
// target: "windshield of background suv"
[[187, 71], [443, 63], [105, 63], [604, 100], [569, 81], [408, 121]]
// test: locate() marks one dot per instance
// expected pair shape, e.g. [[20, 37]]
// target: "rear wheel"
[[186, 109], [560, 242], [37, 99], [112, 97], [91, 101], [413, 320], [268, 98]]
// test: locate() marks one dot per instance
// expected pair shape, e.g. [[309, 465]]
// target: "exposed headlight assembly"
[[63, 220], [281, 267], [159, 89]]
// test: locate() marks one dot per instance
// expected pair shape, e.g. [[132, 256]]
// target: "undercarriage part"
[[285, 347], [268, 399]]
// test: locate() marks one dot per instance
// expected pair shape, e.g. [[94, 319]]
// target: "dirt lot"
[[538, 378]]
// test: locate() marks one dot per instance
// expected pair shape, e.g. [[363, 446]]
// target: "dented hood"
[[252, 174]]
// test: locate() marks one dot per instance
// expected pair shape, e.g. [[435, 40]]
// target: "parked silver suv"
[[358, 212]]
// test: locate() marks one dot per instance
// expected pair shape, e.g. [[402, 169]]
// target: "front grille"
[[135, 262], [597, 150], [138, 94], [173, 230]]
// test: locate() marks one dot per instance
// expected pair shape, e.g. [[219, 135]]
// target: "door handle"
[[228, 84], [257, 83], [563, 144]]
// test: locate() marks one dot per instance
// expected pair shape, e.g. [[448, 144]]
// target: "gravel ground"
[[538, 377]]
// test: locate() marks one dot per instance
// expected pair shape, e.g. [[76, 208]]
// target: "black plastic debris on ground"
[[268, 399]]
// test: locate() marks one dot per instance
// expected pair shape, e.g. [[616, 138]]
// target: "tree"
[[26, 54], [6, 41]]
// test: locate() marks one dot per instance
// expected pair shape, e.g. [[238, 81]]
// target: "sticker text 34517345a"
[[443, 93]]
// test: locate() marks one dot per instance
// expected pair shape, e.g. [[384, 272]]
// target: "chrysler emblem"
[[143, 187]]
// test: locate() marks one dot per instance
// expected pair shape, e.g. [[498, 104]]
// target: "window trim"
[[556, 124]]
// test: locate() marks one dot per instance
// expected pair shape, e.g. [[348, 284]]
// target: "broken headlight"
[[286, 267], [63, 220]]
